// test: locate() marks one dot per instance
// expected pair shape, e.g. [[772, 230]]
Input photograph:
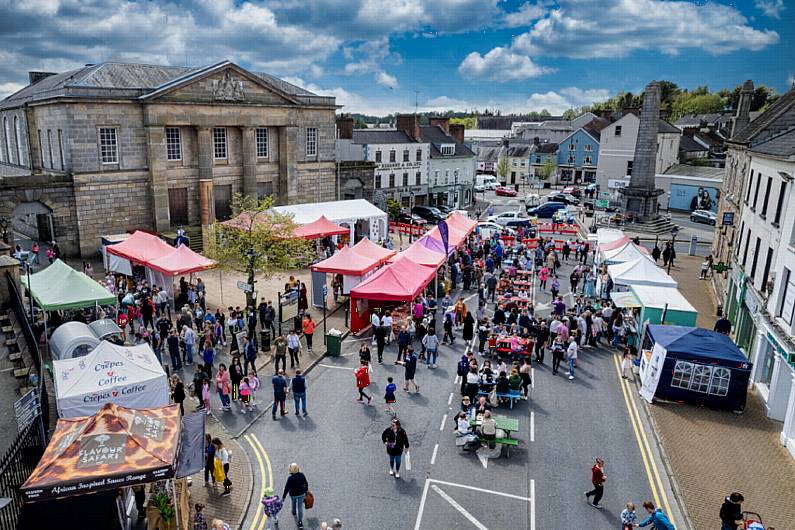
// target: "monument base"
[[642, 203]]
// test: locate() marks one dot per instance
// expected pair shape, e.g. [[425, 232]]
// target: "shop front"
[[740, 306]]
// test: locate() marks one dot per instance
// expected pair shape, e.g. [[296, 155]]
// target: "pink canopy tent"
[[367, 248], [461, 222], [320, 228], [182, 260], [347, 262], [456, 236], [616, 243], [401, 281], [423, 255], [434, 244], [141, 248]]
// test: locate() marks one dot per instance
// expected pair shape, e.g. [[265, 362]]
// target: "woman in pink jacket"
[[543, 276], [224, 386]]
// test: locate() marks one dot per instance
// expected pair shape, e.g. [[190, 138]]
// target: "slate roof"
[[520, 151], [126, 80], [489, 154], [695, 171], [782, 145], [380, 136], [593, 131], [779, 117], [687, 144], [548, 147], [666, 127], [436, 136]]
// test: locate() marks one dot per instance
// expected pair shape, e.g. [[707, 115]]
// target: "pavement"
[[713, 453]]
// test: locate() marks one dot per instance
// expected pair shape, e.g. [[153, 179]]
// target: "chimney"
[[35, 77], [606, 114], [409, 124], [742, 117], [457, 132], [345, 127], [444, 123]]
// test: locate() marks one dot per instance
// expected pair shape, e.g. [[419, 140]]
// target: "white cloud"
[[525, 15], [386, 80], [567, 98], [771, 8], [616, 28], [791, 81], [6, 89], [502, 65]]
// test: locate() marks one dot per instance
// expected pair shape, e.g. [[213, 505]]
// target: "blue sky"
[[379, 56]]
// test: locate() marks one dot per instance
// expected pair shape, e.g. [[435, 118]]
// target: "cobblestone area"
[[713, 453]]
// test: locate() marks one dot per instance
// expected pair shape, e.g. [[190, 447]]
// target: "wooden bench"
[[16, 358], [512, 396], [7, 329], [505, 442], [22, 375]]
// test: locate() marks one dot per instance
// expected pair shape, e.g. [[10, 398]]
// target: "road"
[[563, 427]]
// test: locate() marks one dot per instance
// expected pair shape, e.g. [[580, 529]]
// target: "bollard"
[[693, 241]]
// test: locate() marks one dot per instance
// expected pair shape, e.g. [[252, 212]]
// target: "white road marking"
[[532, 504], [482, 490], [433, 456], [484, 460], [335, 367], [450, 399], [457, 380], [444, 420], [459, 508], [532, 377], [532, 426], [422, 504], [470, 297]]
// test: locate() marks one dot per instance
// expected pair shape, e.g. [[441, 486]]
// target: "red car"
[[505, 191]]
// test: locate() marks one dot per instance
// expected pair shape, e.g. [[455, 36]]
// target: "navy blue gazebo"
[[701, 366]]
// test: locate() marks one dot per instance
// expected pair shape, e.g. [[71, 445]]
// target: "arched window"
[[4, 144], [6, 136], [18, 138]]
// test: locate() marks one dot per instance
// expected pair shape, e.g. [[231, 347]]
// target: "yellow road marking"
[[270, 473], [635, 429], [648, 447], [259, 515]]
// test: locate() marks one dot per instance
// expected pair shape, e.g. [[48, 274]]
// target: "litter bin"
[[265, 340], [333, 343]]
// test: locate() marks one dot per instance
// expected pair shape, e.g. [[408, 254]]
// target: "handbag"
[[309, 500]]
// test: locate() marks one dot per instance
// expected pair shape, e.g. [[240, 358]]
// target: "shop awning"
[[401, 281], [320, 228], [59, 286], [114, 448], [625, 299], [141, 248], [640, 271], [347, 261], [182, 260], [367, 248], [419, 253]]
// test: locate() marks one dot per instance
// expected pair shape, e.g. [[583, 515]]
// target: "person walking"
[[468, 333], [410, 364], [173, 350], [598, 479], [403, 342], [250, 355], [236, 375], [380, 342], [308, 327], [656, 517], [280, 353], [298, 386], [296, 487], [222, 456], [279, 383], [525, 376], [294, 348], [431, 344], [558, 352], [571, 356], [362, 376], [178, 393], [209, 459], [396, 441], [731, 512], [223, 386], [271, 506]]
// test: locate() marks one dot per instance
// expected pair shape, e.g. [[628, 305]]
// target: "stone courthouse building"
[[112, 147]]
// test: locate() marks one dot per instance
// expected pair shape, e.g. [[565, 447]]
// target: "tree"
[[549, 168], [696, 103], [261, 242], [469, 122], [393, 208], [569, 114], [503, 168]]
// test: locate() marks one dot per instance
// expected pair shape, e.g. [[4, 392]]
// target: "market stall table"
[[503, 345]]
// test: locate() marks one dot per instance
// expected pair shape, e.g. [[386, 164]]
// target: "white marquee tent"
[[628, 252], [130, 376], [640, 271], [342, 213]]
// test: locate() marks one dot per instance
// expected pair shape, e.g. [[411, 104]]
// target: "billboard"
[[688, 198]]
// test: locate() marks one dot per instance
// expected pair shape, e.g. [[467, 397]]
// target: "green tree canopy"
[[503, 167]]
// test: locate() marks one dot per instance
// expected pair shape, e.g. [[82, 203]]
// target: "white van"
[[532, 200], [485, 182]]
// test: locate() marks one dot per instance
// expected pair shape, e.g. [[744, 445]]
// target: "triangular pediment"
[[222, 83]]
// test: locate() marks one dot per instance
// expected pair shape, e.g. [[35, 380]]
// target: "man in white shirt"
[[571, 357], [189, 338], [375, 320], [386, 321]]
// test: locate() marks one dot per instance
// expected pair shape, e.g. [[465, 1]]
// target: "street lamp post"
[[30, 292], [251, 254], [674, 232]]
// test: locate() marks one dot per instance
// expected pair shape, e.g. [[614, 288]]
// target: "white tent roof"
[[608, 235], [657, 297], [641, 271], [72, 339], [130, 376], [336, 212], [628, 252]]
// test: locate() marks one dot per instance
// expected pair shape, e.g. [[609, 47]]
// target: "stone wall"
[[14, 152], [356, 179]]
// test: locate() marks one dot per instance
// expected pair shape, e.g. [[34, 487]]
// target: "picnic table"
[[518, 300]]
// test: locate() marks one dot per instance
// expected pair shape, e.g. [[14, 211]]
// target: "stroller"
[[752, 521]]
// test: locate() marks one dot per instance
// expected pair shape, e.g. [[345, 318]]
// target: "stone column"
[[249, 139], [156, 143], [205, 148], [787, 436], [206, 192], [8, 264], [288, 181]]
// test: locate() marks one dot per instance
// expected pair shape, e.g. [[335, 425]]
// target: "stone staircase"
[[659, 226], [194, 234]]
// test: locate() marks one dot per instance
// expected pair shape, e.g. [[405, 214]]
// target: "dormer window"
[[447, 149]]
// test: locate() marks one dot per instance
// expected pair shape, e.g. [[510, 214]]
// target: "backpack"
[[463, 367], [362, 377]]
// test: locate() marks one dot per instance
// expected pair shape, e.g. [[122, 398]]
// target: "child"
[[628, 517], [199, 522], [219, 333], [205, 393], [626, 365], [253, 384], [389, 396], [271, 506], [245, 396]]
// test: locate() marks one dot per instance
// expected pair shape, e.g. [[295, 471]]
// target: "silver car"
[[704, 216]]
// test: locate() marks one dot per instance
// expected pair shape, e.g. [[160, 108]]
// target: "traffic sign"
[[728, 219], [325, 291], [26, 409], [602, 203], [245, 287]]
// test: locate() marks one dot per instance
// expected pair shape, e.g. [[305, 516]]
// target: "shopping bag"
[[309, 500], [218, 471]]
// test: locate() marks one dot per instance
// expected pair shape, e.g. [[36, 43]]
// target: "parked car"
[[531, 200], [704, 216], [408, 218], [566, 198], [503, 218], [429, 213], [573, 191], [505, 191], [446, 210], [487, 228], [528, 225], [546, 210]]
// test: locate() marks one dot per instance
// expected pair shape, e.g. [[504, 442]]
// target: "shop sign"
[[102, 449], [617, 184]]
